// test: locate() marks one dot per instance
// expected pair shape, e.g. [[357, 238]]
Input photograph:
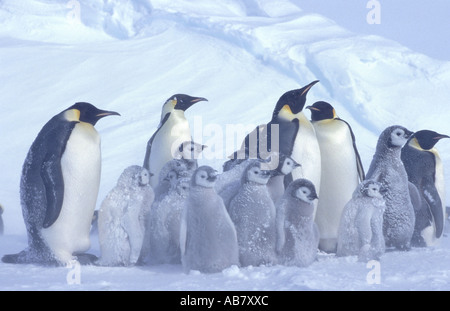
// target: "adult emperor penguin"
[[296, 137], [59, 187], [424, 168], [387, 168], [172, 131], [341, 170]]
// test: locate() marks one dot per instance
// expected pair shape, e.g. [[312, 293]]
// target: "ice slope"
[[130, 56]]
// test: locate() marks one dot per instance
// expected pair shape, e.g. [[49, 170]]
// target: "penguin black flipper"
[[359, 164], [150, 142], [52, 177], [287, 143], [51, 172]]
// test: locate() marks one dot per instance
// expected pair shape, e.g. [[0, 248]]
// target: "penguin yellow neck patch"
[[415, 144], [286, 113], [72, 115]]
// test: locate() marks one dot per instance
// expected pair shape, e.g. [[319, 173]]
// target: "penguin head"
[[371, 188], [182, 186], [175, 167], [255, 174], [302, 189], [133, 176], [85, 112], [144, 177], [322, 111], [189, 150], [393, 137], [287, 165], [292, 102], [205, 176], [181, 102], [426, 139]]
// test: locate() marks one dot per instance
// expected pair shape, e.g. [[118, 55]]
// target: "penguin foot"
[[86, 259]]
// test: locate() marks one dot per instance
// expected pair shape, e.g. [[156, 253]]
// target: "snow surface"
[[242, 55]]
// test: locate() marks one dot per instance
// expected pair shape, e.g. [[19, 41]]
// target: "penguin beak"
[[198, 99], [408, 134], [441, 136], [188, 102], [105, 113], [306, 89], [313, 108], [313, 197]]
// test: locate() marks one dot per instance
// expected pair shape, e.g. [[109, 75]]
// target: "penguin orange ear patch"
[[72, 115]]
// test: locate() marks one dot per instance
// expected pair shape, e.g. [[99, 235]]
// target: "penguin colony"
[[295, 187]]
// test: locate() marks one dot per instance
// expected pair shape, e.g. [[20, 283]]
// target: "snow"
[[240, 55]]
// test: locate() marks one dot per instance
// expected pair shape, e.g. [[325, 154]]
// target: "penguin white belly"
[[439, 179], [306, 151], [339, 178], [169, 137], [81, 168]]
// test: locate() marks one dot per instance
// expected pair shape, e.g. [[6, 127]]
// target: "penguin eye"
[[399, 133]]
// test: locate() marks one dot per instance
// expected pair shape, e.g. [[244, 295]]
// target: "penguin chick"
[[121, 218], [341, 170], [361, 224], [387, 168], [162, 236], [253, 213], [425, 171], [171, 172], [59, 187], [275, 185], [172, 130], [297, 234], [208, 241]]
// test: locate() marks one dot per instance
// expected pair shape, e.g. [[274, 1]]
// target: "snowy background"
[[242, 55]]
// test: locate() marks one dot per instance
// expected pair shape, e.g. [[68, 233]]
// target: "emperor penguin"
[[275, 184], [59, 187], [341, 170], [424, 168], [387, 168], [172, 131], [297, 234], [288, 132], [361, 225], [161, 243], [121, 218], [253, 213], [208, 241], [183, 164]]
